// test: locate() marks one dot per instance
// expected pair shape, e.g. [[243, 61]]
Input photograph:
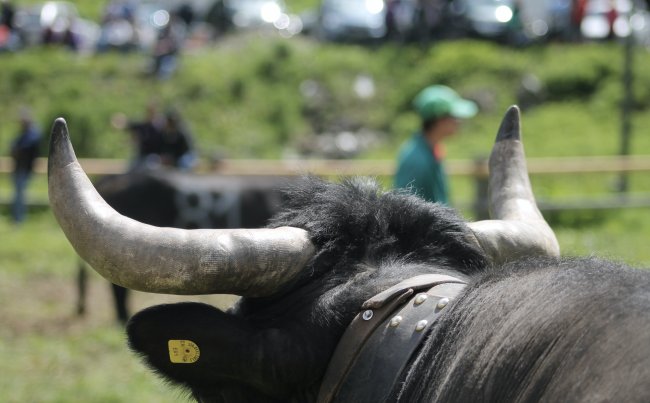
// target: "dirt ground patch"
[[48, 305]]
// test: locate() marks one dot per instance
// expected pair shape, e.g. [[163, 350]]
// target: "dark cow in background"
[[529, 326], [171, 198]]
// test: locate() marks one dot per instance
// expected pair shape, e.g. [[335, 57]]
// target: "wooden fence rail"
[[536, 166], [476, 169]]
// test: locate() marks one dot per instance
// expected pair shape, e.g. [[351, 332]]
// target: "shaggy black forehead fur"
[[356, 220], [368, 238]]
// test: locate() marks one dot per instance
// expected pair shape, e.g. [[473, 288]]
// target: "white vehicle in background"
[[485, 18], [544, 19], [341, 20], [128, 25], [267, 15], [33, 19], [616, 19]]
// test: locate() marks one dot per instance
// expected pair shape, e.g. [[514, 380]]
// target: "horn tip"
[[59, 129], [61, 151], [511, 125]]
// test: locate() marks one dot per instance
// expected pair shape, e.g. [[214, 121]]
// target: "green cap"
[[438, 101]]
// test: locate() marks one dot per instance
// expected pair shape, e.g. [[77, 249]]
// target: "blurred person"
[[186, 13], [24, 150], [515, 26], [430, 19], [218, 18], [392, 8], [177, 149], [6, 24], [146, 135], [7, 14], [420, 169], [4, 36], [60, 32], [577, 15], [118, 27], [170, 40], [611, 16]]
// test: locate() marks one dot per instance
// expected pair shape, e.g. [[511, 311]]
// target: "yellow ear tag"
[[183, 351]]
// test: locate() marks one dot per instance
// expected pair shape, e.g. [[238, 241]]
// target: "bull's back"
[[563, 331]]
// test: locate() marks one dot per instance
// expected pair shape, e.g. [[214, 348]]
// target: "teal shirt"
[[420, 172]]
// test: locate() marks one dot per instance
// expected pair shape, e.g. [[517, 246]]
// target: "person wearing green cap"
[[420, 170]]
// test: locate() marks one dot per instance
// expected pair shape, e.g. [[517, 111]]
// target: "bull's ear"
[[212, 353], [189, 344]]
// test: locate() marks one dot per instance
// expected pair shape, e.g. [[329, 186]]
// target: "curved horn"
[[250, 263], [517, 228]]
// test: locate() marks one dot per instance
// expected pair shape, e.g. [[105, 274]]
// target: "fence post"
[[82, 283], [628, 103], [481, 180]]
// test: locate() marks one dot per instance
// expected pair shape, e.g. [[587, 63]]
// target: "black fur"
[[541, 330], [531, 331]]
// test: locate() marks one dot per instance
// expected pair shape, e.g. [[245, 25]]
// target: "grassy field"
[[50, 353]]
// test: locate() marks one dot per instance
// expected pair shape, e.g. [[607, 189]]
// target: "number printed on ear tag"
[[183, 351]]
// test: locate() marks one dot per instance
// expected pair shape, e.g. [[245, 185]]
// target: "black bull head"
[[529, 327]]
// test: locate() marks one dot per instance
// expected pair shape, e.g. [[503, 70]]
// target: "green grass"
[[617, 235], [244, 94], [37, 248], [93, 366], [51, 355]]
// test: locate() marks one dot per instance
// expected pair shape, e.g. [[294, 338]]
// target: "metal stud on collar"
[[395, 321], [367, 315], [442, 303], [421, 325], [421, 298]]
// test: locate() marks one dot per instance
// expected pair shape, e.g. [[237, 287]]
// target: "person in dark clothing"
[[147, 136], [60, 33], [7, 14], [186, 13], [165, 51], [7, 31], [218, 17], [177, 143], [24, 151], [577, 15]]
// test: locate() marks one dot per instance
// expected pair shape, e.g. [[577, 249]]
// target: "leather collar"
[[372, 354]]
